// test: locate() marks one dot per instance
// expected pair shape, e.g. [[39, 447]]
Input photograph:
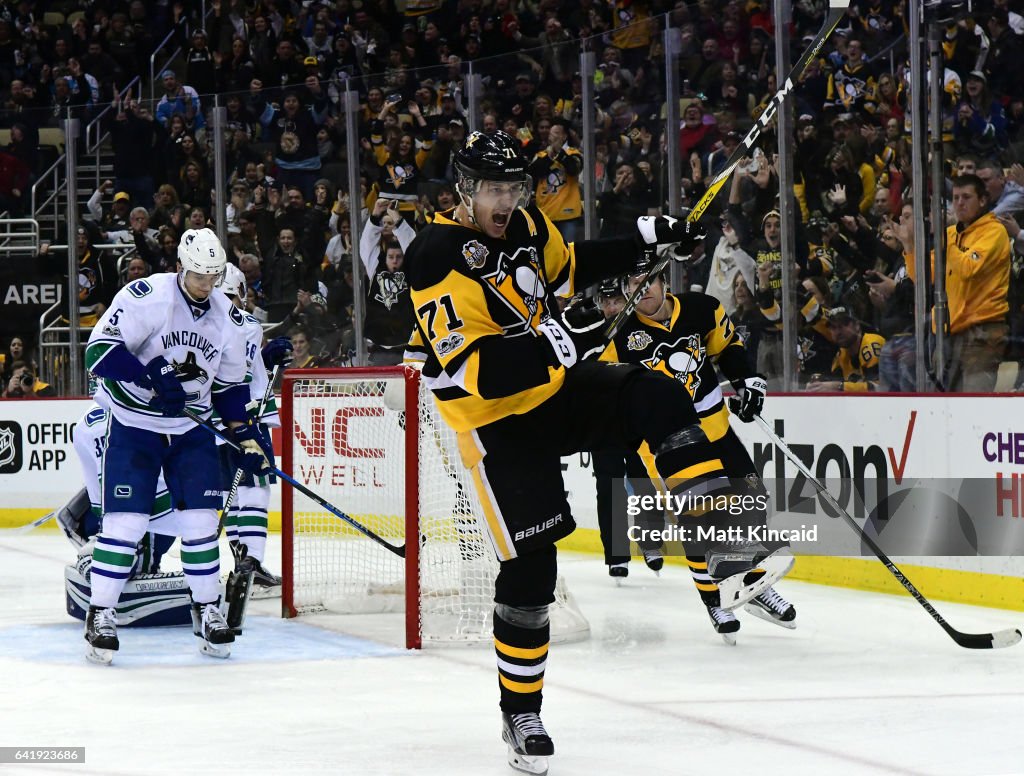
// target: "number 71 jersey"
[[152, 317]]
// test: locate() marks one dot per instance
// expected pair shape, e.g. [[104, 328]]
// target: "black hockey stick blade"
[[997, 640], [398, 550], [836, 11]]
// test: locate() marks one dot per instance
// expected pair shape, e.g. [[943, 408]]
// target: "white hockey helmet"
[[234, 282], [201, 252]]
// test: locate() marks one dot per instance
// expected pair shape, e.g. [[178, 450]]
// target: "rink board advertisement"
[[899, 438]]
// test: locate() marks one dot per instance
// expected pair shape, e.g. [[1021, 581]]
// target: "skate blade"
[[101, 657], [734, 593], [525, 763], [259, 593], [729, 638], [757, 611], [220, 651]]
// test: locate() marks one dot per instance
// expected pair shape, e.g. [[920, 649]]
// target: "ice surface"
[[866, 684]]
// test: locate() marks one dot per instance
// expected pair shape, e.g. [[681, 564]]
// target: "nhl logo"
[[638, 340], [10, 447], [475, 254]]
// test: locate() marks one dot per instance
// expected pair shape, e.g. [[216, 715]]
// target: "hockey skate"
[[733, 568], [101, 634], [211, 629], [772, 607], [529, 744], [654, 560], [263, 578], [725, 623], [618, 572]]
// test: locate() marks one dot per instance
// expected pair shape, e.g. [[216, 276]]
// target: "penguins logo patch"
[[475, 254], [638, 340]]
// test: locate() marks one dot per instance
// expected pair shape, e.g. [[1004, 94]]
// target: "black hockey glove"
[[254, 454], [666, 232], [562, 347], [170, 396], [277, 352], [749, 399]]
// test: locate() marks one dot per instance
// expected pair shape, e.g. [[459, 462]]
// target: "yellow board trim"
[[964, 587], [523, 687], [523, 653]]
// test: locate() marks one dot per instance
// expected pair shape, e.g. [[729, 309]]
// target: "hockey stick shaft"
[[24, 529], [1004, 638], [836, 11], [396, 549], [239, 472]]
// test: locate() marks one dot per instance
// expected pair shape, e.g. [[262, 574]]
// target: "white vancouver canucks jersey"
[[153, 317]]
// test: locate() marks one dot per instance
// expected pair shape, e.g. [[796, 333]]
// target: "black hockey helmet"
[[490, 157], [609, 289], [493, 157]]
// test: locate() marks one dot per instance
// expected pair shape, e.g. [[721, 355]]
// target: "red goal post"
[[370, 441]]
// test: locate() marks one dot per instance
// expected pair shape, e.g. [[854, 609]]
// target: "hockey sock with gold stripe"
[[521, 636]]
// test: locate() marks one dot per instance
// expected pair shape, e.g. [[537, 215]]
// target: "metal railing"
[[47, 189], [15, 241], [55, 331], [95, 128], [152, 59]]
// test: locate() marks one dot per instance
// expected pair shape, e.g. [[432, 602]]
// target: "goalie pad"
[[148, 600]]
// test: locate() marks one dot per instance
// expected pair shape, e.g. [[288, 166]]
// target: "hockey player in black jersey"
[[686, 336], [483, 279]]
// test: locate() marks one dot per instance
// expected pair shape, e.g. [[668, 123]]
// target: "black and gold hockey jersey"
[[478, 300], [687, 347]]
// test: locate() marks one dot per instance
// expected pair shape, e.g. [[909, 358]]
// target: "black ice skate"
[[529, 744], [744, 571], [263, 578], [210, 627], [774, 608], [618, 572], [101, 634], [725, 622], [654, 560]]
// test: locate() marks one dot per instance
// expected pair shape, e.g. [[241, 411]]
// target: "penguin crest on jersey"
[[390, 285], [520, 272], [638, 340], [681, 359]]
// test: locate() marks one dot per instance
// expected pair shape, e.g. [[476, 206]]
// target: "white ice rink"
[[867, 684]]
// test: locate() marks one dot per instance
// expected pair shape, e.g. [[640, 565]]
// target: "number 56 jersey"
[[152, 317]]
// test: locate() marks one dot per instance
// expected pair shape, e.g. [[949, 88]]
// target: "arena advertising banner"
[[38, 467], [963, 451], [26, 293]]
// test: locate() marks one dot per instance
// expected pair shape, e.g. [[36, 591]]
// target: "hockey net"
[[349, 438]]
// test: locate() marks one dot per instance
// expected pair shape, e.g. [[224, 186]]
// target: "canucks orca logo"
[[521, 270], [189, 369], [390, 286], [681, 359]]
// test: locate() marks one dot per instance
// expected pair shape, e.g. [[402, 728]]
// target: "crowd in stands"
[[282, 69]]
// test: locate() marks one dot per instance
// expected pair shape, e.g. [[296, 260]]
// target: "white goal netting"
[[350, 443]]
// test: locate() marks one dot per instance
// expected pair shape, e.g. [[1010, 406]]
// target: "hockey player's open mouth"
[[500, 219]]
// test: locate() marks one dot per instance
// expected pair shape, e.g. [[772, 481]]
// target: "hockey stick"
[[396, 549], [239, 472], [836, 11], [1003, 638], [24, 529]]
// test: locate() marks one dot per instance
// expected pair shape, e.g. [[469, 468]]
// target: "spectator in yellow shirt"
[[856, 362], [977, 279]]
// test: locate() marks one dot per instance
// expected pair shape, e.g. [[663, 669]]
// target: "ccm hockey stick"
[[1003, 638], [836, 11], [239, 472], [396, 549]]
